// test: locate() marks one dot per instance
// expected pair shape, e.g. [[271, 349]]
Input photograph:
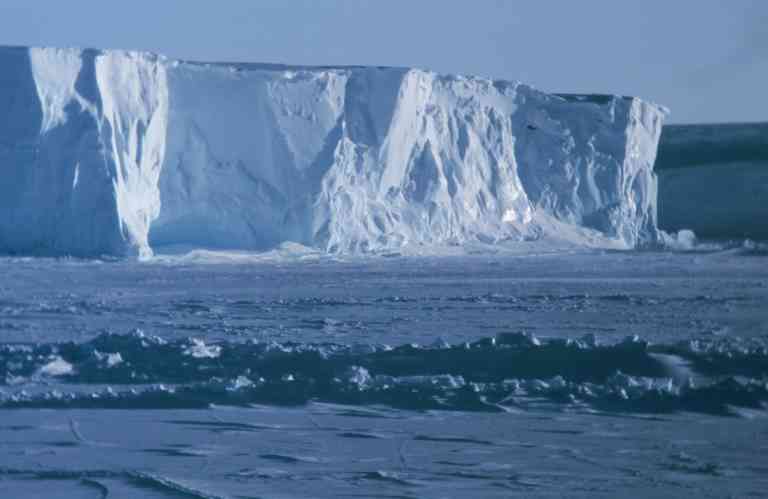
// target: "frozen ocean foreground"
[[513, 352], [577, 374]]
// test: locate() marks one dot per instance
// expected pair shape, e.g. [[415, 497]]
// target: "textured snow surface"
[[713, 179], [486, 376], [107, 152], [490, 374]]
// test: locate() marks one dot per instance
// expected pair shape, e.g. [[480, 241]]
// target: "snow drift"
[[713, 179], [109, 152]]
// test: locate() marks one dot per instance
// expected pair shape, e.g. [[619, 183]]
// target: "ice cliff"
[[110, 152]]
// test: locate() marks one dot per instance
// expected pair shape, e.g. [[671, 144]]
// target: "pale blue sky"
[[705, 59]]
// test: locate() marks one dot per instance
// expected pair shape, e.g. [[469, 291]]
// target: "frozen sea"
[[567, 374]]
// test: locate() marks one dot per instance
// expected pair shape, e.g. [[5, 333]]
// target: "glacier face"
[[82, 142], [109, 152]]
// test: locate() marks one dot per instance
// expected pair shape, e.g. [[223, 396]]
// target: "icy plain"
[[578, 374]]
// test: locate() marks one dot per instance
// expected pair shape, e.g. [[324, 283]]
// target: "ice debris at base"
[[56, 367], [114, 153], [515, 370]]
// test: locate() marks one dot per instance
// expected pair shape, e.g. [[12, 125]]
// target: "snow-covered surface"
[[109, 152], [713, 179], [562, 375]]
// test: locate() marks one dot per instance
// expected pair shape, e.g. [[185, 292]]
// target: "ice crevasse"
[[117, 153]]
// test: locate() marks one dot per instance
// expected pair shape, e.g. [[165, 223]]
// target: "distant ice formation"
[[111, 152], [713, 179]]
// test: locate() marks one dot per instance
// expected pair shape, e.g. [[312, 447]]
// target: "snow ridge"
[[110, 152], [511, 371]]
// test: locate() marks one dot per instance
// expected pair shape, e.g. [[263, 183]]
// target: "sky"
[[706, 60]]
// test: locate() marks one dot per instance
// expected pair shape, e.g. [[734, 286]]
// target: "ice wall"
[[713, 179], [82, 137], [116, 152]]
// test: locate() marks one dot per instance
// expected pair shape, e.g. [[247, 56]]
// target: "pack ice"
[[113, 152]]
